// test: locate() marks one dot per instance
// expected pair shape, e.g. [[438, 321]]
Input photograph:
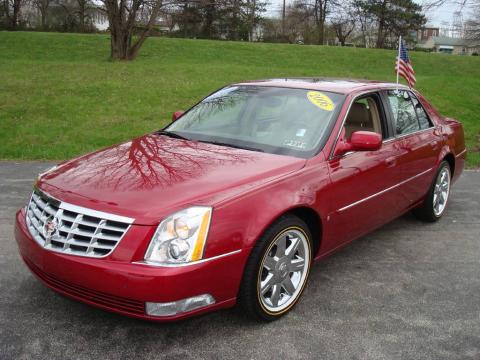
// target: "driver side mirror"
[[177, 114], [360, 141]]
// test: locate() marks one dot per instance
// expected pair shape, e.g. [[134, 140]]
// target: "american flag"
[[403, 66]]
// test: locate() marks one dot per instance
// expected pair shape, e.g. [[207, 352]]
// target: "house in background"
[[448, 45], [426, 33]]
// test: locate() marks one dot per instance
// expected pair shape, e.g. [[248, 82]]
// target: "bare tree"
[[42, 7], [122, 15], [321, 8], [12, 12], [344, 22], [472, 25], [83, 11]]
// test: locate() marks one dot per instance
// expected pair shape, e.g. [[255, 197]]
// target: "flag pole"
[[398, 59]]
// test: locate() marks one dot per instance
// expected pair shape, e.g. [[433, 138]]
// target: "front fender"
[[238, 223]]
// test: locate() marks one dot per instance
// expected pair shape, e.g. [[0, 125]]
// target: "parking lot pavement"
[[407, 291]]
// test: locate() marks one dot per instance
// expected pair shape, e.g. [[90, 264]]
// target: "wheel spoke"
[[292, 249], [443, 177], [275, 294], [443, 197], [288, 285], [297, 264], [281, 246], [267, 283], [269, 263]]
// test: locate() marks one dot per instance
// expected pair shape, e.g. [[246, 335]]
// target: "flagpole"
[[398, 58]]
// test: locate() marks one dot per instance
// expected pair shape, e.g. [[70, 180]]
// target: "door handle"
[[391, 161]]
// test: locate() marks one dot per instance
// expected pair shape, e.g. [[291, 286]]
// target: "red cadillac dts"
[[237, 197]]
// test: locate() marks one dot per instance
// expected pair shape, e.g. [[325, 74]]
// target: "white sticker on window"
[[301, 132]]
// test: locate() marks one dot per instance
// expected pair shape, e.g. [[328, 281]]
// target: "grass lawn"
[[60, 96]]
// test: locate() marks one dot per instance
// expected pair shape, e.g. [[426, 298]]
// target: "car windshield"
[[268, 119]]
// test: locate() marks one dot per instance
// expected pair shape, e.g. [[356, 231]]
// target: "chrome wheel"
[[441, 191], [284, 270]]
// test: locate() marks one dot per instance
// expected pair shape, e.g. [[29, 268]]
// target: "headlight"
[[181, 237]]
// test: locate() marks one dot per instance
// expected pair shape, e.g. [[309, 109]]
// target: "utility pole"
[[283, 20]]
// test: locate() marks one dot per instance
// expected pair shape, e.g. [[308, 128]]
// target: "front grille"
[[82, 293], [70, 229]]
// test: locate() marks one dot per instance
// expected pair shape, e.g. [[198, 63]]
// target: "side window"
[[404, 116], [421, 113], [364, 115]]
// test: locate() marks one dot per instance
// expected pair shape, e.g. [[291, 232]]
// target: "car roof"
[[342, 86]]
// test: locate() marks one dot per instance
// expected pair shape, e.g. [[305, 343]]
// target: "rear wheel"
[[277, 269], [436, 201]]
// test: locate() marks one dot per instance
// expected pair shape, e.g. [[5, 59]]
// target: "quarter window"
[[421, 114], [404, 116]]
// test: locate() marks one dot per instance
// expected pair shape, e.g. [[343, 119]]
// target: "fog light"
[[180, 306]]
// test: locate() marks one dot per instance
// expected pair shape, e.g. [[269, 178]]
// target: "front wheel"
[[277, 269], [435, 203]]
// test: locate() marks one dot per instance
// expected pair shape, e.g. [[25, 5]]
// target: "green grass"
[[60, 96]]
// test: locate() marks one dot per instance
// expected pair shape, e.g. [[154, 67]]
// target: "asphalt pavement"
[[407, 291]]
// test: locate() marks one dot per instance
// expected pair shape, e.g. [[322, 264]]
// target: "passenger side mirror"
[[360, 141], [177, 114]]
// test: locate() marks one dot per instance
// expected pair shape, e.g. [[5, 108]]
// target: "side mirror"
[[177, 114], [360, 141], [366, 140]]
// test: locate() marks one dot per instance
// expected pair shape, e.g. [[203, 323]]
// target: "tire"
[[434, 205], [277, 270]]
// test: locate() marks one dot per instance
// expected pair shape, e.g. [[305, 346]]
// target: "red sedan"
[[235, 199]]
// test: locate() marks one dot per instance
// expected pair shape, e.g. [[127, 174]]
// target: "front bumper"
[[124, 287]]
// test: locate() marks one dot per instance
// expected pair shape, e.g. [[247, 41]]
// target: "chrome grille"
[[71, 229]]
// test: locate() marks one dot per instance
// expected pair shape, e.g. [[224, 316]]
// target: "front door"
[[362, 195]]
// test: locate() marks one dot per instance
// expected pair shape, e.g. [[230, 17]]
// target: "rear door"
[[417, 138]]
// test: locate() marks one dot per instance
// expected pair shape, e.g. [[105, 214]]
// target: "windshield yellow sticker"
[[320, 100]]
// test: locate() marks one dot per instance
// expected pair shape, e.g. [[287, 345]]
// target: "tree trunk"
[[16, 13], [381, 24], [207, 30], [122, 25], [120, 44], [321, 33], [43, 19], [380, 38]]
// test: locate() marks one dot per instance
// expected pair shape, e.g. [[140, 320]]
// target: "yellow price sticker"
[[320, 100]]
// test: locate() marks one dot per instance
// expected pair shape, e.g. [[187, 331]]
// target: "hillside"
[[61, 96]]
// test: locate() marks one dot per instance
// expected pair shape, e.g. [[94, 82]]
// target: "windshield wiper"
[[171, 134], [232, 145]]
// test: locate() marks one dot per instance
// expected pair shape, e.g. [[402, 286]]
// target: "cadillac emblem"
[[50, 228]]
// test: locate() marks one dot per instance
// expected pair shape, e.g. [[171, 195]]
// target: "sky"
[[434, 17]]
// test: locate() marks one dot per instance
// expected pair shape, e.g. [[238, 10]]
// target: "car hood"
[[154, 175]]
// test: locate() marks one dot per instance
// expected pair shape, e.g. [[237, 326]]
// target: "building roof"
[[342, 86]]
